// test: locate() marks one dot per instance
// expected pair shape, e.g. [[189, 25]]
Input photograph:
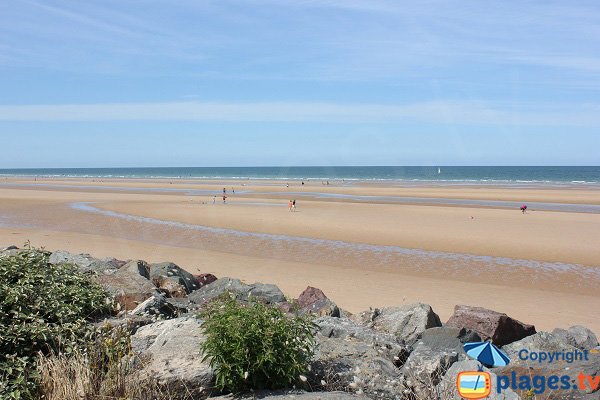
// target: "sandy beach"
[[365, 245]]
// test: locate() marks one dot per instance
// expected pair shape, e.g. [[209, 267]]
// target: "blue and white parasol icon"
[[487, 354]]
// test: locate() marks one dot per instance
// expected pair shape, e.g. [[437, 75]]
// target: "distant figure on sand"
[[214, 199], [224, 198], [524, 208], [224, 191], [290, 205], [293, 205]]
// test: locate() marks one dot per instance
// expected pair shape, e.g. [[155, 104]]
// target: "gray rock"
[[388, 346], [217, 288], [266, 293], [351, 357], [446, 388], [354, 365], [157, 305], [541, 341], [128, 285], [447, 337], [169, 277], [131, 322], [169, 353], [407, 322], [85, 262], [431, 357], [578, 336], [294, 395]]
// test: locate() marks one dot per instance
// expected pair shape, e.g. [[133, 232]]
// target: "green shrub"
[[255, 346], [44, 309]]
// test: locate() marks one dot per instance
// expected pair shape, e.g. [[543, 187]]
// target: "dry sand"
[[546, 236]]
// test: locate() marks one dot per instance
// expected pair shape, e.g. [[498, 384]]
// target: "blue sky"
[[313, 82]]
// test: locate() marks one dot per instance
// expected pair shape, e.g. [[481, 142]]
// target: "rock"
[[446, 389], [171, 279], [314, 301], [489, 324], [354, 365], [217, 288], [432, 356], [571, 361], [343, 328], [205, 279], [407, 322], [170, 286], [448, 336], [84, 262], [7, 248], [351, 357], [577, 336], [266, 293], [127, 285], [131, 322], [294, 395], [541, 341], [157, 305], [169, 353], [136, 267]]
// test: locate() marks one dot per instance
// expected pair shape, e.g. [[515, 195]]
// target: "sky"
[[299, 82]]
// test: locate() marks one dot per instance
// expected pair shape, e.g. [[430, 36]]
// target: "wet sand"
[[542, 267]]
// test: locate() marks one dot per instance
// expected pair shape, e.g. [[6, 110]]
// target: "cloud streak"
[[436, 112]]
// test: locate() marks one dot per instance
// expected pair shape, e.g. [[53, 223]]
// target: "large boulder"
[[569, 361], [577, 336], [128, 284], [266, 293], [406, 322], [431, 357], [351, 357], [489, 324], [172, 280], [446, 388], [168, 352], [313, 300], [539, 342], [85, 262]]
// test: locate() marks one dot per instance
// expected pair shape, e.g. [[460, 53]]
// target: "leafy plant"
[[44, 309], [255, 346]]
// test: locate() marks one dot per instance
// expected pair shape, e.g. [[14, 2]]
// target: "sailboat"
[[439, 170]]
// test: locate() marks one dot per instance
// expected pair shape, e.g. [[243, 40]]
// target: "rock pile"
[[403, 352]]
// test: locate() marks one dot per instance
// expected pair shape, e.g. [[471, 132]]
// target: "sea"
[[577, 175]]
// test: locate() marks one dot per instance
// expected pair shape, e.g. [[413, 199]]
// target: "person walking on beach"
[[224, 198], [290, 205], [524, 208], [214, 199], [294, 205]]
